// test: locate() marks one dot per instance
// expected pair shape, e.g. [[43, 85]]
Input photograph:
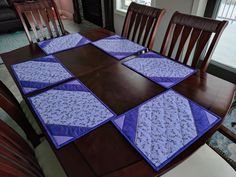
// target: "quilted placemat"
[[118, 47], [63, 43], [164, 126], [40, 73], [161, 70], [69, 111]]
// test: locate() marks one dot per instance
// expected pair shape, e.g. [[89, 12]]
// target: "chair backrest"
[[42, 17], [141, 23], [193, 34], [11, 106], [17, 158]]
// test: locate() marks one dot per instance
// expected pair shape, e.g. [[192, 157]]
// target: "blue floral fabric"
[[118, 47], [40, 73], [164, 126], [161, 70], [63, 43], [69, 111]]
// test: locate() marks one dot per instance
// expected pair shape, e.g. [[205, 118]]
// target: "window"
[[225, 51], [124, 4]]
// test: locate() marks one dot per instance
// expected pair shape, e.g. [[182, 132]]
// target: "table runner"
[[161, 70], [164, 126], [63, 43], [40, 73], [118, 47], [69, 111]]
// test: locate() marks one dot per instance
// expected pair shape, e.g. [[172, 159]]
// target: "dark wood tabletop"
[[105, 152]]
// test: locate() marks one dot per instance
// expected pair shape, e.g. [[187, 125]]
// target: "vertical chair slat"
[[153, 30], [167, 38], [142, 26], [201, 44], [53, 4], [193, 40], [136, 26], [25, 28], [126, 24], [147, 30], [132, 20], [52, 19], [44, 16], [30, 19], [185, 34], [38, 20], [176, 34]]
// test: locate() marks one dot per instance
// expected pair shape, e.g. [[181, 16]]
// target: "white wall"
[[195, 7]]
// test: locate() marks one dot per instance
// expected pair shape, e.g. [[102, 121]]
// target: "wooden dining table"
[[104, 152]]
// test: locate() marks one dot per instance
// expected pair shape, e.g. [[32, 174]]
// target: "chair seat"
[[7, 14], [30, 117], [205, 162], [48, 161]]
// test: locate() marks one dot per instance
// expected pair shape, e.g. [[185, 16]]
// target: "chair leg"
[[228, 133], [233, 106]]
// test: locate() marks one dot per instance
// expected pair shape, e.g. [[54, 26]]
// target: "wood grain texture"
[[10, 105], [228, 133], [40, 15], [208, 91], [194, 34], [17, 158], [104, 152], [141, 24]]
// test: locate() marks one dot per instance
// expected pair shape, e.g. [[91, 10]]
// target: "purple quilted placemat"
[[40, 73], [164, 126], [69, 111], [63, 43], [118, 47], [161, 70]]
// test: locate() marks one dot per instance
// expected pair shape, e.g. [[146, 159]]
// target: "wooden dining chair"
[[17, 158], [12, 107], [190, 38], [141, 24], [23, 153], [43, 19]]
